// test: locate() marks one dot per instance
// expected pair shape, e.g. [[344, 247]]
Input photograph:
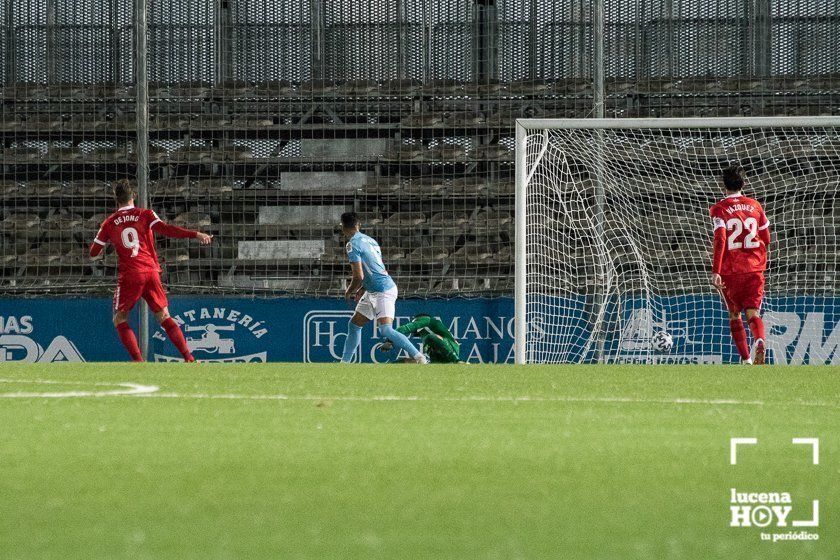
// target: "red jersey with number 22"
[[747, 233], [129, 229]]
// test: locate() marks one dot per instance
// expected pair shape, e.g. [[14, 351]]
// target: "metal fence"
[[268, 118]]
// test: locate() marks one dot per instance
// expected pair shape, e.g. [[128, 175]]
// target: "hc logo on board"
[[324, 332]]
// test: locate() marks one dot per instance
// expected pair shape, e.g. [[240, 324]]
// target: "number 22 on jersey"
[[735, 227]]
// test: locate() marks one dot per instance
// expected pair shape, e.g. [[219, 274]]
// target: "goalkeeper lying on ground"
[[438, 342]]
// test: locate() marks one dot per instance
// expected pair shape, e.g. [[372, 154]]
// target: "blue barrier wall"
[[801, 330]]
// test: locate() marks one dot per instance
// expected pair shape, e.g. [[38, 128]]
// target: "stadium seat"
[[62, 225], [384, 186], [334, 254], [188, 90], [210, 187], [76, 256], [192, 219], [209, 122], [427, 187], [494, 216], [92, 224], [277, 88], [493, 152], [405, 219], [26, 91], [190, 154], [400, 151], [456, 220], [21, 155], [167, 121], [173, 255], [428, 255], [64, 155], [359, 87], [370, 218], [41, 188], [484, 87], [504, 255], [446, 152], [424, 120], [233, 89], [443, 87], [169, 187], [85, 123], [233, 153], [9, 189], [91, 188], [42, 256], [531, 87], [107, 155], [466, 119], [395, 255], [318, 88], [46, 122], [12, 123], [401, 87], [469, 186], [473, 254], [22, 224], [251, 122], [504, 188]]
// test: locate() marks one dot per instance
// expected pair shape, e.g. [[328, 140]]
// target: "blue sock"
[[399, 339], [354, 338]]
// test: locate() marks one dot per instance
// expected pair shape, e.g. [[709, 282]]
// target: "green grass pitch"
[[329, 461]]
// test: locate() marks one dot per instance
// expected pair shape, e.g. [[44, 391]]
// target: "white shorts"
[[374, 305]]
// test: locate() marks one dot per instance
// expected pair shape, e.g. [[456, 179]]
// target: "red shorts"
[[743, 291], [146, 285]]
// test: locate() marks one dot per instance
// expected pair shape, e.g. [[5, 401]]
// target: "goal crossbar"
[[698, 122]]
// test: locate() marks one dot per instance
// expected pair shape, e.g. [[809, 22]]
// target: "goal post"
[[613, 237]]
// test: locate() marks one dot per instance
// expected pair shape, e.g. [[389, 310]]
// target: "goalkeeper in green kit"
[[438, 343]]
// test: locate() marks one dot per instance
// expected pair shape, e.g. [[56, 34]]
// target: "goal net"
[[613, 237]]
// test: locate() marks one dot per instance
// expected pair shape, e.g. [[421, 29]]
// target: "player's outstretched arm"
[[168, 230]]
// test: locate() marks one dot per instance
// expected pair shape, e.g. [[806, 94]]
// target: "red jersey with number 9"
[[129, 229], [747, 234]]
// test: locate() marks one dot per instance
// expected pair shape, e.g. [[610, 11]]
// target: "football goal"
[[614, 239]]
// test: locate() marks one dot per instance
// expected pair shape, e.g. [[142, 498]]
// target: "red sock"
[[739, 335], [129, 341], [757, 328], [173, 331]]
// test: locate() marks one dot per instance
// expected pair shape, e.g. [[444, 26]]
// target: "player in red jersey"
[[742, 235], [131, 231]]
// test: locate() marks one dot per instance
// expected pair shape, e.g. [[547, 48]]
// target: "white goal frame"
[[524, 126]]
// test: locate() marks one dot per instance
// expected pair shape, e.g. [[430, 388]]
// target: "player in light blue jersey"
[[374, 291]]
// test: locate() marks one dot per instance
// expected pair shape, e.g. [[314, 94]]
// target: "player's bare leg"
[[385, 325], [739, 336], [757, 329], [354, 336], [127, 337], [173, 331]]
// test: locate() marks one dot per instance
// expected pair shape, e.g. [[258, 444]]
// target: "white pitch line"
[[483, 398], [128, 389], [152, 391]]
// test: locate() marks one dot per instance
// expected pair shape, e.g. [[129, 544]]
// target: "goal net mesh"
[[608, 267]]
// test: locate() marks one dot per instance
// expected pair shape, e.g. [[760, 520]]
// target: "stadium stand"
[[264, 144]]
